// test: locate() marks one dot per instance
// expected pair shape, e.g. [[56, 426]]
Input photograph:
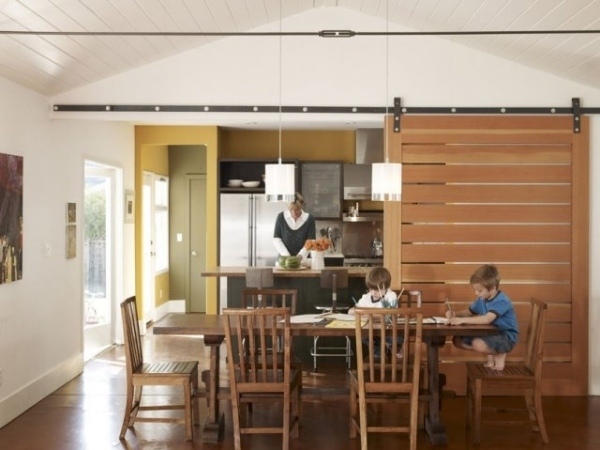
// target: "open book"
[[435, 319]]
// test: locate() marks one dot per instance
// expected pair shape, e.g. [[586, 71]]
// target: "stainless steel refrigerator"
[[246, 229]]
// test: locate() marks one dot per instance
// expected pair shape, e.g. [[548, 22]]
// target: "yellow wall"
[[307, 145], [147, 140]]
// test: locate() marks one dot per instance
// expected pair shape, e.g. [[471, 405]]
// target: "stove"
[[361, 261]]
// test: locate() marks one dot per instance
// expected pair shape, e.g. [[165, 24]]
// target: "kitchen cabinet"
[[322, 188], [247, 170]]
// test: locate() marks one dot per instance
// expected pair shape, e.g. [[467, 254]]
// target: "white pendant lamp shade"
[[279, 182], [386, 181]]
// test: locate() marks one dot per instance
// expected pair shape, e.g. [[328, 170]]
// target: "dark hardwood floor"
[[86, 413]]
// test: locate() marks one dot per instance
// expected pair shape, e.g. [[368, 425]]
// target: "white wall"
[[41, 319]]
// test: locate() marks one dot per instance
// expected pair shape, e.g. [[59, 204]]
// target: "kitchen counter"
[[353, 272]]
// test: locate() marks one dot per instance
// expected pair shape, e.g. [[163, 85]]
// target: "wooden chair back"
[[534, 352], [388, 378], [270, 298], [409, 299], [254, 375], [131, 336]]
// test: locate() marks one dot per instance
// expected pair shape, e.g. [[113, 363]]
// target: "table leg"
[[213, 427], [433, 425]]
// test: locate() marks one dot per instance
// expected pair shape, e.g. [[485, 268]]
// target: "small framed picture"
[[71, 212], [71, 241], [129, 206]]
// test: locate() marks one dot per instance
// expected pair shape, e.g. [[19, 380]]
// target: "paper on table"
[[306, 318], [437, 319], [342, 324]]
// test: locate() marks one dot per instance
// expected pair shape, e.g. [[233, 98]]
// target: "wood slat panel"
[[484, 173], [486, 194], [489, 123], [488, 233], [412, 253], [553, 294], [519, 183], [511, 153], [414, 213], [530, 273]]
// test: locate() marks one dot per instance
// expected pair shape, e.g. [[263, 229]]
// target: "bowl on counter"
[[235, 183], [250, 184]]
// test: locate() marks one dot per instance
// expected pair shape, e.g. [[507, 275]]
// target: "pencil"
[[448, 305]]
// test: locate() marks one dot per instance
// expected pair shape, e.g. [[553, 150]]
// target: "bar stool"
[[259, 277], [333, 279]]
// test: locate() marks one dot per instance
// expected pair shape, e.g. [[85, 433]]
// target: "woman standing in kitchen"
[[292, 228]]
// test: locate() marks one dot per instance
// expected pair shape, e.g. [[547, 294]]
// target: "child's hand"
[[450, 314], [455, 320]]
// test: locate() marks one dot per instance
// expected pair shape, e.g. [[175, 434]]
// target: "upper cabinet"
[[249, 171], [322, 189]]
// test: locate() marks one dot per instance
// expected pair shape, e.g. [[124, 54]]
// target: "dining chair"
[[523, 377], [254, 377], [386, 379], [334, 279], [161, 373]]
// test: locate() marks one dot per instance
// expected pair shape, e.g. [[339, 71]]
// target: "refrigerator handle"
[[254, 230], [251, 220]]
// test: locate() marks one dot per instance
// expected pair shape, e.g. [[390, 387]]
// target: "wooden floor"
[[87, 413]]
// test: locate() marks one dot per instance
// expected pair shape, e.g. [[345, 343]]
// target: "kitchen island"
[[310, 294], [307, 282]]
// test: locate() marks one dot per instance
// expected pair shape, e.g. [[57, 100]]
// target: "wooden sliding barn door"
[[507, 190]]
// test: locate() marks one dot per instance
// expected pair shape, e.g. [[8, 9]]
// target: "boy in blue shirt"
[[492, 306]]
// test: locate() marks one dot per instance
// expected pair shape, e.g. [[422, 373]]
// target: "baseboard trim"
[[20, 401]]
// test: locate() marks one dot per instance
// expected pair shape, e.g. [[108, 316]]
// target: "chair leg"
[[195, 400], [353, 408], [187, 395], [128, 406], [540, 415], [235, 414], [286, 423], [362, 408]]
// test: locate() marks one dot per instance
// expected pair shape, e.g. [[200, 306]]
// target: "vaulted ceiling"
[[55, 63]]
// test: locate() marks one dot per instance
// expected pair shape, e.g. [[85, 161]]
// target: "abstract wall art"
[[11, 218]]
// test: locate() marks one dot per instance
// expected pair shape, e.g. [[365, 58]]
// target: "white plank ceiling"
[[51, 64]]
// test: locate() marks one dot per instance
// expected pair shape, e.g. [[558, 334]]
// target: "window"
[[161, 223]]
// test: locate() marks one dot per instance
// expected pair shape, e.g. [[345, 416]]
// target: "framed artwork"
[[11, 218], [129, 206], [71, 212], [71, 241]]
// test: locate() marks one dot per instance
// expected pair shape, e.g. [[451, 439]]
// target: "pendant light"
[[386, 177], [279, 178]]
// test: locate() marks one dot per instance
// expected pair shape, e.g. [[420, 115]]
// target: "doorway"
[[197, 251], [100, 253]]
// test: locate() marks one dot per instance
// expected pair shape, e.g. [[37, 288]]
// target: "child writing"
[[492, 306], [378, 282]]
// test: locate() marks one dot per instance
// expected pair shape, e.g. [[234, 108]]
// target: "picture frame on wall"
[[71, 241], [71, 212], [129, 213]]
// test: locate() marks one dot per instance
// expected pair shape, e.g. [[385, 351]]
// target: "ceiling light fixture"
[[279, 178], [386, 177]]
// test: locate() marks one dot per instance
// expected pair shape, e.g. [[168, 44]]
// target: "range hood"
[[357, 177]]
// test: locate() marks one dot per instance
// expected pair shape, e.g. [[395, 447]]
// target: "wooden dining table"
[[212, 328]]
